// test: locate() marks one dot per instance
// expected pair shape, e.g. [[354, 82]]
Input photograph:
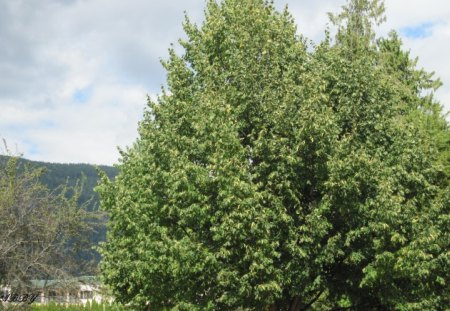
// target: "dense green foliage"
[[270, 176], [417, 87]]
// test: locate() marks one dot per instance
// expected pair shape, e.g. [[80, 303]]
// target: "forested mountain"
[[57, 174]]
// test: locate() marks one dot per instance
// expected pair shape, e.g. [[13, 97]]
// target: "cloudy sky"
[[74, 74]]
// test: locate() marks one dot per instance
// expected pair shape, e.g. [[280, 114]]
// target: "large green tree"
[[270, 176]]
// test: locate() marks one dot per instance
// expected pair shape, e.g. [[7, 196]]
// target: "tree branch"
[[309, 304]]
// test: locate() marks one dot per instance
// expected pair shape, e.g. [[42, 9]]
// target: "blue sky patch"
[[81, 96], [418, 31], [32, 149], [47, 124]]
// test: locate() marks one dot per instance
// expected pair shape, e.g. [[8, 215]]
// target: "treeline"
[[57, 174]]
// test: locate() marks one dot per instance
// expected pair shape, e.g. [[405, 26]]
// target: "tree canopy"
[[273, 176]]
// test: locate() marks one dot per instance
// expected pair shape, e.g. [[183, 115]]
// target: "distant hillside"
[[58, 173]]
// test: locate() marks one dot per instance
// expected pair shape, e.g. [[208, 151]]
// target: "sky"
[[75, 74]]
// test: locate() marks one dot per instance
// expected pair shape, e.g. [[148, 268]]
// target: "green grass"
[[91, 307]]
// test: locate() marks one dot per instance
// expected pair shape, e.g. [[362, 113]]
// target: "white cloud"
[[74, 74], [89, 132]]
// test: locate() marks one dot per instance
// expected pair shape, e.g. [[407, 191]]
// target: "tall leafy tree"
[[270, 177]]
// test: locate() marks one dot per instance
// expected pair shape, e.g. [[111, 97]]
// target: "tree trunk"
[[295, 304]]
